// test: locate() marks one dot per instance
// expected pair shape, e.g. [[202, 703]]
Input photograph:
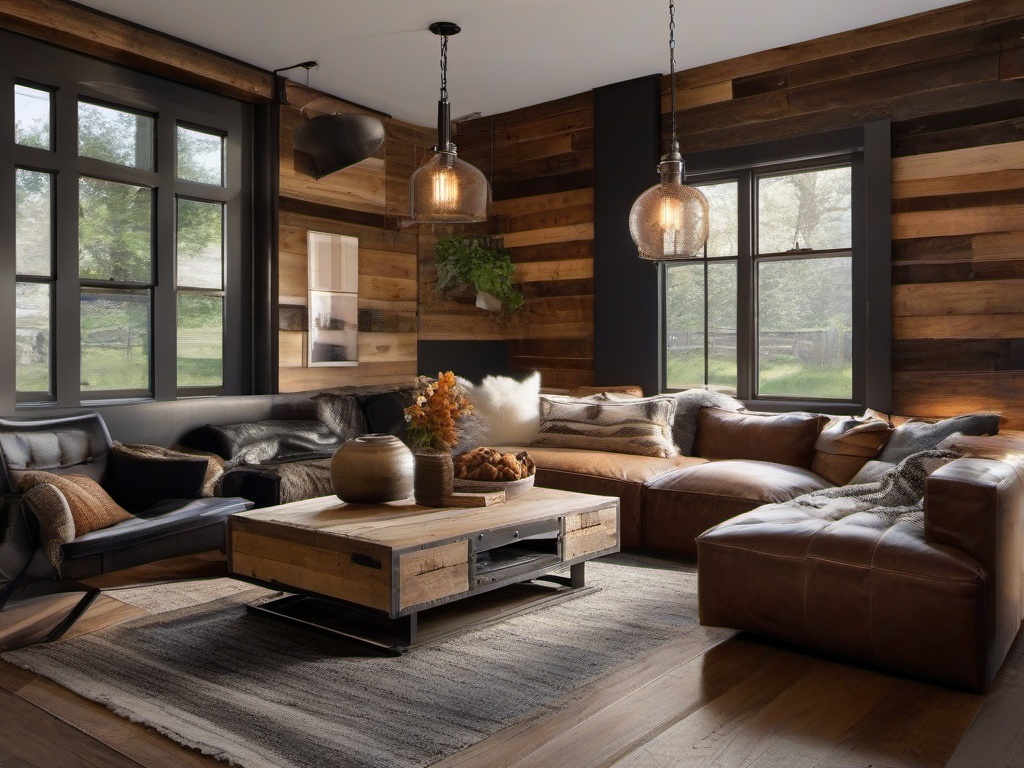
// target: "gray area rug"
[[262, 694]]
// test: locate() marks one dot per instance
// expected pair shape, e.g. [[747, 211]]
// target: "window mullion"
[[67, 312], [746, 346], [8, 312], [165, 333]]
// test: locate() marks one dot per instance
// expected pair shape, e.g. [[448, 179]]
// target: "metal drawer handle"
[[365, 560]]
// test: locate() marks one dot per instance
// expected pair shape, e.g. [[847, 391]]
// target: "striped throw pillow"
[[640, 426]]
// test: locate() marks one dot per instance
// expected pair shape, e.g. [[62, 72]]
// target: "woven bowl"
[[512, 488]]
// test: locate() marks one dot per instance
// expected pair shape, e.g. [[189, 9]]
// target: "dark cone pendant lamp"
[[670, 220], [445, 189]]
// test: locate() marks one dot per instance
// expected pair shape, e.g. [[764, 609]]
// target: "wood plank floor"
[[738, 702]]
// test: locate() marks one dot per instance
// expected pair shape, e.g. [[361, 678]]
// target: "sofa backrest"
[[77, 444], [782, 438], [166, 422]]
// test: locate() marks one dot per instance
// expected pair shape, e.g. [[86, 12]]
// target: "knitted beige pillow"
[[91, 506], [56, 525]]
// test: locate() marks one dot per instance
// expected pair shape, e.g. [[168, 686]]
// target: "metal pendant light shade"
[[445, 189], [333, 142], [670, 221]]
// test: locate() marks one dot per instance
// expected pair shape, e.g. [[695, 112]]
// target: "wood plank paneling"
[[950, 80], [543, 213], [366, 200]]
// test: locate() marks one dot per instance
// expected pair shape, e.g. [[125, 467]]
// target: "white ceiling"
[[510, 54]]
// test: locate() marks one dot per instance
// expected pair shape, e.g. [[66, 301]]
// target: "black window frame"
[[71, 78], [867, 151]]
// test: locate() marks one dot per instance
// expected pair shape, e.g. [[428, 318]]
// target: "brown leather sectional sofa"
[[944, 601], [740, 462]]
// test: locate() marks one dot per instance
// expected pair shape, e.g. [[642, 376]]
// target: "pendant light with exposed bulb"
[[670, 220], [445, 189]]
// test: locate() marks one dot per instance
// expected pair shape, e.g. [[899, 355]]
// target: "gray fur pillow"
[[916, 436], [341, 414], [688, 405]]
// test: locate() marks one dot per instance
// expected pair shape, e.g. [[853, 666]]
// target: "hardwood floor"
[[741, 702]]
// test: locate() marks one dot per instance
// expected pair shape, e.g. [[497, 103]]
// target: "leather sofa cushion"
[[783, 438], [606, 474], [614, 466], [272, 439], [171, 518], [680, 505], [853, 587]]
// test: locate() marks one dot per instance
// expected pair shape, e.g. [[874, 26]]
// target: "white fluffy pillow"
[[507, 410]]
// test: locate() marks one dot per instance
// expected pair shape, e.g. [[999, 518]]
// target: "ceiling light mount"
[[445, 28]]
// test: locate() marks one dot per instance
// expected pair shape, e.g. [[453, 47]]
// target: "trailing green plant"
[[468, 261]]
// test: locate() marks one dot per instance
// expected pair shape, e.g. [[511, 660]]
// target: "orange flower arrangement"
[[431, 417]]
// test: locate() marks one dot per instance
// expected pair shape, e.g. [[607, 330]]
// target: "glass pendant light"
[[445, 189], [670, 220]]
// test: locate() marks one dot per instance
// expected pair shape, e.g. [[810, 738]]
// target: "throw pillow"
[[782, 438], [916, 436], [56, 525], [140, 482], [641, 426], [91, 507], [385, 411], [508, 409], [688, 405], [846, 445], [341, 414], [213, 471]]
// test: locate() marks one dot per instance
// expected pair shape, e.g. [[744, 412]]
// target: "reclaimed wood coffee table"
[[369, 571]]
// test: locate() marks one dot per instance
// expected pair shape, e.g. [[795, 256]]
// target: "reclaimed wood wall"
[[952, 82], [363, 201], [540, 160]]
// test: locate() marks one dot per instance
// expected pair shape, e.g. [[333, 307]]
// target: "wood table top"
[[400, 524]]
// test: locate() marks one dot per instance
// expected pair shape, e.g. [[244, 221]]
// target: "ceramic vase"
[[434, 478], [372, 469]]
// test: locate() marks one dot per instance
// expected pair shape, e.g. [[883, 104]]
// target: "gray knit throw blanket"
[[897, 496]]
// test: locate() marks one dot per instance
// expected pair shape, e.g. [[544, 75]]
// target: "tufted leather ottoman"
[[943, 600]]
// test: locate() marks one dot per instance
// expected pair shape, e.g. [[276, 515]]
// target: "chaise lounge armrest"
[[977, 506]]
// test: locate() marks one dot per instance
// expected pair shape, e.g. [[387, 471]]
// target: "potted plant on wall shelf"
[[463, 262]]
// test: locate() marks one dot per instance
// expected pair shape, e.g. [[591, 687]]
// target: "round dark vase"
[[433, 478]]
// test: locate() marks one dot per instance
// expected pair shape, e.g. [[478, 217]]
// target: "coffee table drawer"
[[590, 532], [433, 573], [351, 571]]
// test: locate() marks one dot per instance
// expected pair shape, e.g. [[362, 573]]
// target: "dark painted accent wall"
[[627, 291], [469, 359]]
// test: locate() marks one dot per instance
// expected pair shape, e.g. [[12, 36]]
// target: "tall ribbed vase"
[[433, 478]]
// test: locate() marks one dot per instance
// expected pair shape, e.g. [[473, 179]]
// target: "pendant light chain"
[[674, 147], [444, 67]]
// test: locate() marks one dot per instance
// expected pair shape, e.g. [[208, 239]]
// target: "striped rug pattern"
[[262, 694]]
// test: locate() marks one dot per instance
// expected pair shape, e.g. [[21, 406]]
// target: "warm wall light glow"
[[446, 190]]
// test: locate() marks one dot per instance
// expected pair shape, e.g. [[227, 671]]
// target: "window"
[[131, 199], [785, 321]]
